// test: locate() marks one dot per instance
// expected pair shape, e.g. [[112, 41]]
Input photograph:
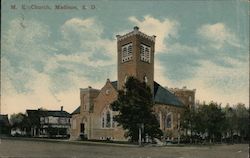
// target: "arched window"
[[107, 118], [160, 119], [103, 121], [168, 120], [113, 122]]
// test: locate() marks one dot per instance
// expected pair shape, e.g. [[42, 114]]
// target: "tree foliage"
[[20, 121], [214, 120], [214, 123], [237, 122], [134, 106]]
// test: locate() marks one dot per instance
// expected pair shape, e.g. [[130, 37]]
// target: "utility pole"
[[139, 135], [141, 130]]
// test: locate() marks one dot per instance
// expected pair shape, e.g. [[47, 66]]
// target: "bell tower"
[[135, 57]]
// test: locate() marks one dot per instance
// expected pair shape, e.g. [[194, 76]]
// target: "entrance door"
[[82, 128]]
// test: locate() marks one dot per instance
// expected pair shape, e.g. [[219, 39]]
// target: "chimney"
[[136, 28], [154, 37], [61, 108]]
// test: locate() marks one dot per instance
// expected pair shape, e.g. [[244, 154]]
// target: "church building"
[[93, 119]]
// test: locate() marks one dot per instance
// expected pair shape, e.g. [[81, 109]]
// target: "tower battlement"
[[135, 32]]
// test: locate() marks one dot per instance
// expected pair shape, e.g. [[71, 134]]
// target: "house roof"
[[4, 120], [77, 111], [54, 113]]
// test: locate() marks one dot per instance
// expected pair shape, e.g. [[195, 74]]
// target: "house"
[[49, 123], [135, 57], [4, 125]]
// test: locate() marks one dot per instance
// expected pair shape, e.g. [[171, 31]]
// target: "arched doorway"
[[83, 129]]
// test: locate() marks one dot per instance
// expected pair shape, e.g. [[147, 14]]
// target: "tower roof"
[[135, 32]]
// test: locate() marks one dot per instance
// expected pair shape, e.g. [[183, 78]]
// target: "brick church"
[[135, 57]]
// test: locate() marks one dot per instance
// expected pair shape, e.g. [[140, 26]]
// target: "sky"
[[48, 54]]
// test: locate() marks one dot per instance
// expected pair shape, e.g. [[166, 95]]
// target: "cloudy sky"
[[48, 54]]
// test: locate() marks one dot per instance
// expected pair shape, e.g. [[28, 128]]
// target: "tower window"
[[145, 53], [127, 52]]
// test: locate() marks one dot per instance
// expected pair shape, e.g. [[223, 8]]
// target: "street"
[[27, 148]]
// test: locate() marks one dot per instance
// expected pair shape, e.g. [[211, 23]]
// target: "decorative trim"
[[135, 32]]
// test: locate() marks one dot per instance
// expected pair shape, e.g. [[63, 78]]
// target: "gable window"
[[145, 52], [127, 52], [168, 120], [107, 91]]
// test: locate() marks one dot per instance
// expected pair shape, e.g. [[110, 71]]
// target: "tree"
[[19, 121], [188, 121], [192, 121], [216, 122], [214, 119], [231, 122], [205, 119], [134, 107], [242, 115]]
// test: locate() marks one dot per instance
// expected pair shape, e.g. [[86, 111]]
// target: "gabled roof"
[[54, 113], [163, 96], [4, 120], [77, 111]]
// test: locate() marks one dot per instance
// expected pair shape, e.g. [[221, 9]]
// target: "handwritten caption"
[[54, 7]]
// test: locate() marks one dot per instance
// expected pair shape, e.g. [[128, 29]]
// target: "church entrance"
[[82, 128], [83, 135]]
